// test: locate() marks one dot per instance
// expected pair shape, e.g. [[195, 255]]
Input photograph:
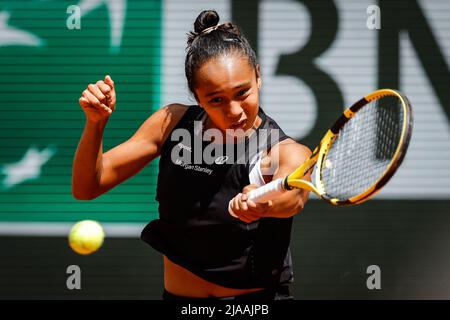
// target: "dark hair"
[[210, 40]]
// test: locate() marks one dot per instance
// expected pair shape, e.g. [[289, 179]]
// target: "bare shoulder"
[[288, 155], [291, 146], [283, 158], [159, 125], [169, 115], [291, 152]]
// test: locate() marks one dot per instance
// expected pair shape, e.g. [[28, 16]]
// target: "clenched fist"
[[98, 101]]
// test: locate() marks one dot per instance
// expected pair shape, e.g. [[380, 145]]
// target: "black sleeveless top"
[[195, 229]]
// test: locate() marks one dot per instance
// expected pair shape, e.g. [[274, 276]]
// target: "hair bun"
[[206, 19]]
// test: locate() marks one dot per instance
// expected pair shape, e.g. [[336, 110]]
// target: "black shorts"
[[280, 293]]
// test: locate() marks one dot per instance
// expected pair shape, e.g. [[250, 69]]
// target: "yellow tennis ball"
[[86, 237]]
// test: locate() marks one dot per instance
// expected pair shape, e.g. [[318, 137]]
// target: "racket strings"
[[363, 150]]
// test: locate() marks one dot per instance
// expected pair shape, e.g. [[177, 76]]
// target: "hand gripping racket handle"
[[267, 192], [263, 194]]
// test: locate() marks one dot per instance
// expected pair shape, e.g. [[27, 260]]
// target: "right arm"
[[95, 172]]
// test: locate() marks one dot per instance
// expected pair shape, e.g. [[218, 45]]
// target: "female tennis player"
[[216, 243]]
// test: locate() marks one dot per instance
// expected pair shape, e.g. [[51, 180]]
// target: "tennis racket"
[[358, 154]]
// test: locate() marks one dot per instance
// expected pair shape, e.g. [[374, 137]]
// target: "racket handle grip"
[[267, 192], [263, 194]]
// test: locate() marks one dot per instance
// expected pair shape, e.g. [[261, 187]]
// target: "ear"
[[258, 76]]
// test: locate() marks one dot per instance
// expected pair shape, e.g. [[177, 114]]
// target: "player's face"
[[228, 90]]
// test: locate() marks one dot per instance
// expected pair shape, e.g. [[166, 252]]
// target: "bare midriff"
[[182, 282]]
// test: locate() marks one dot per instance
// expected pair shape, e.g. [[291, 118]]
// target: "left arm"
[[285, 157]]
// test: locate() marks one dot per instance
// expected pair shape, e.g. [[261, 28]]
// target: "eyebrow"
[[218, 91]]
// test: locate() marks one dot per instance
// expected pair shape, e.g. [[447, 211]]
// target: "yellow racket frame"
[[294, 180]]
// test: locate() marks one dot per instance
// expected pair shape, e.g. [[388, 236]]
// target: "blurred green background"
[[316, 56]]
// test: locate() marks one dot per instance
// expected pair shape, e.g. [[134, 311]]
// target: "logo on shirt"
[[221, 160], [198, 149], [182, 146], [197, 168]]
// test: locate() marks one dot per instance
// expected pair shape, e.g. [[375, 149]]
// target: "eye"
[[243, 92], [216, 100]]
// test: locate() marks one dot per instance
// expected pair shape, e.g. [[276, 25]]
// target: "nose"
[[235, 110]]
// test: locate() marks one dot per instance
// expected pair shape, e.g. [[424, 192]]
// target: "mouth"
[[239, 125]]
